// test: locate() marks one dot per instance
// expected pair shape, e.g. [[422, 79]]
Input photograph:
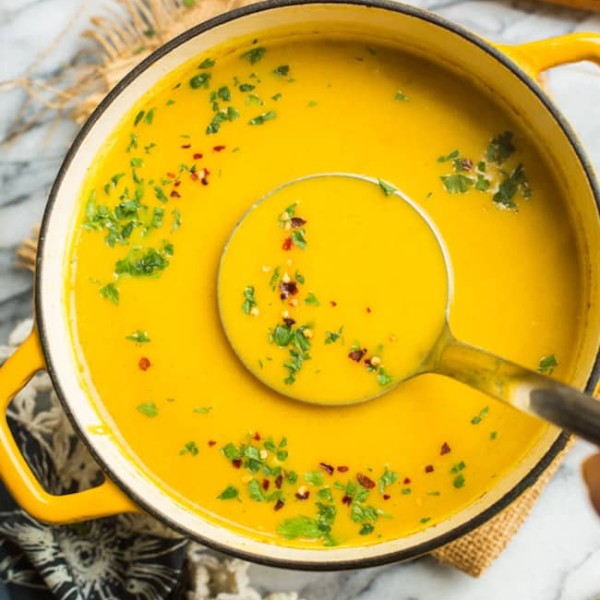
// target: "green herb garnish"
[[139, 337], [110, 292], [314, 478], [400, 96], [388, 188], [282, 71], [480, 416], [254, 54], [189, 448], [249, 300], [202, 410], [500, 148], [547, 364], [200, 81], [312, 300], [457, 184], [207, 63], [263, 118], [229, 493], [149, 409], [388, 478], [517, 180], [298, 237]]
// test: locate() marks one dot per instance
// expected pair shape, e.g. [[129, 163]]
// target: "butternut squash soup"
[[312, 308]]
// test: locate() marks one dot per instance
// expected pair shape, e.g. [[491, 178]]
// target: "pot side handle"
[[536, 57], [103, 500]]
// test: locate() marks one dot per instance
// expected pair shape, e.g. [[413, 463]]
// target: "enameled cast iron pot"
[[511, 72]]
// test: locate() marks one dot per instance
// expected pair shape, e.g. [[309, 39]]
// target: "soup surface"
[[158, 208]]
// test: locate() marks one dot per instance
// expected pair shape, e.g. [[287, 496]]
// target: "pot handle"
[[537, 57], [103, 500]]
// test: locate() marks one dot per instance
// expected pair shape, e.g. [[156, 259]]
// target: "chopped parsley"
[[144, 263], [388, 188], [383, 378], [149, 118], [249, 300], [547, 364], [480, 416], [514, 182], [229, 493], [457, 183], [189, 448], [254, 54], [200, 81], [207, 63], [282, 71], [333, 336], [459, 481], [400, 96], [312, 300], [110, 292], [149, 409], [454, 154], [263, 118], [202, 410], [176, 220], [500, 148], [298, 236], [314, 477], [388, 478], [138, 118], [139, 337]]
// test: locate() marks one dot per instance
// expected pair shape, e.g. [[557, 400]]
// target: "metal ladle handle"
[[526, 390]]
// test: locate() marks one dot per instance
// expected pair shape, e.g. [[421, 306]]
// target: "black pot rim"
[[52, 368]]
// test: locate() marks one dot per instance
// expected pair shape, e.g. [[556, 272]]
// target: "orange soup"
[[158, 208]]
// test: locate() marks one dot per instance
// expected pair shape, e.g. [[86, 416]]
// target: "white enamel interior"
[[413, 32]]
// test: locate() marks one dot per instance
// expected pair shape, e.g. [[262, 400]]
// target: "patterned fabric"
[[127, 557]]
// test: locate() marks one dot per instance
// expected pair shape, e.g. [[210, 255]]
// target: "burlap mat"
[[126, 37]]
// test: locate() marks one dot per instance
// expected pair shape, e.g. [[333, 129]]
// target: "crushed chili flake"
[[237, 463], [347, 500], [265, 485], [357, 355], [289, 288], [369, 309], [171, 175], [144, 363], [278, 481], [287, 244], [219, 148], [297, 222], [445, 448], [211, 443], [304, 495], [365, 481], [343, 469], [204, 181], [198, 156], [386, 496], [194, 176], [279, 504], [256, 436], [429, 469], [177, 183], [406, 481], [333, 303], [175, 194], [328, 468], [289, 322], [186, 146]]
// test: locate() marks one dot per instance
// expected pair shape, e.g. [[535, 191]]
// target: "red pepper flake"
[[279, 504], [171, 175], [289, 288], [386, 496], [333, 303], [186, 146], [265, 485], [445, 449], [365, 481], [198, 156], [256, 436], [278, 481], [303, 496], [237, 462], [204, 181], [289, 322], [211, 443], [347, 500], [297, 222], [175, 194], [369, 309], [177, 183], [328, 468], [343, 469], [144, 363], [357, 355], [287, 244], [194, 176], [219, 148], [429, 469], [406, 480]]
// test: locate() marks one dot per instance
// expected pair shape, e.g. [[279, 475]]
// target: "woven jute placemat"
[[122, 39]]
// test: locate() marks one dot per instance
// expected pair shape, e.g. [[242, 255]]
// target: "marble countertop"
[[556, 555]]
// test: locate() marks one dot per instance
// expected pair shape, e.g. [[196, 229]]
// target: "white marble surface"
[[556, 555]]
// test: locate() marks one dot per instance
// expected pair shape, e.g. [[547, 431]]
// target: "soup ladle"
[[289, 211]]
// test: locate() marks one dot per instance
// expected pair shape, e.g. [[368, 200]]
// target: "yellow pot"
[[512, 72]]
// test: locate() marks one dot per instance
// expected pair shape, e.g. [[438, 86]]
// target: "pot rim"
[[43, 327]]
